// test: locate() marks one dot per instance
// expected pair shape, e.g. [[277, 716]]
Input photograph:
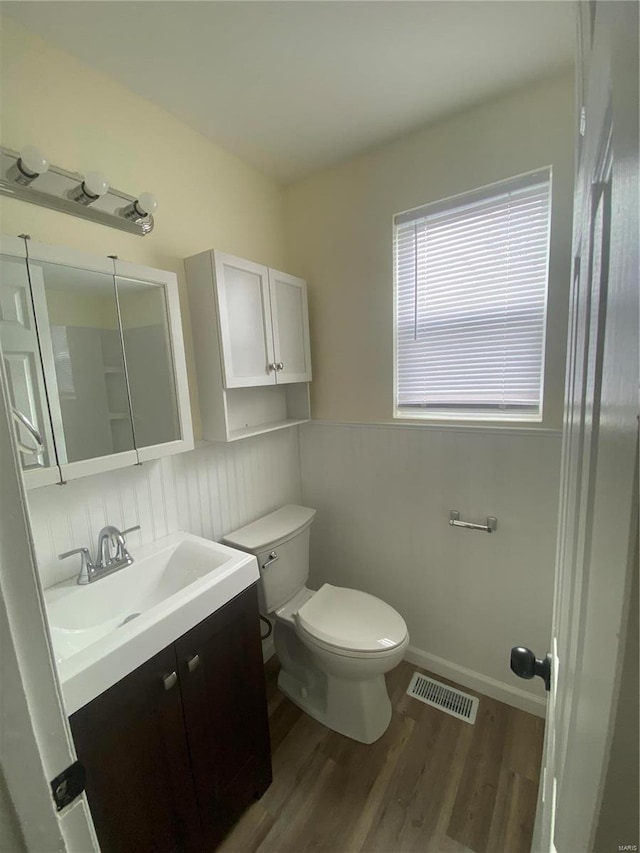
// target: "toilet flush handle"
[[272, 558]]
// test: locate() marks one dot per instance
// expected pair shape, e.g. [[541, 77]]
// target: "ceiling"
[[293, 87]]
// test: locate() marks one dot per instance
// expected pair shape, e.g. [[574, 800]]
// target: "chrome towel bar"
[[489, 527]]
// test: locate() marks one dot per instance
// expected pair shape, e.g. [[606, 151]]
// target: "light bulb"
[[33, 160], [89, 190], [95, 184], [28, 166], [147, 204]]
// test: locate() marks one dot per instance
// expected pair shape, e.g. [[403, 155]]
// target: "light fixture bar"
[[54, 189]]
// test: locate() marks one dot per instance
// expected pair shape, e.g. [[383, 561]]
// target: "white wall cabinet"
[[93, 359], [251, 338]]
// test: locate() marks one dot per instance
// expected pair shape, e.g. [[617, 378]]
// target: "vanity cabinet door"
[[224, 699], [290, 315], [132, 743], [244, 314]]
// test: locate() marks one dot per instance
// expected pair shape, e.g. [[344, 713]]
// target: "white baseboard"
[[480, 683]]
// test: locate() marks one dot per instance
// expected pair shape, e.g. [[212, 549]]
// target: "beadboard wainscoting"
[[208, 491], [383, 496]]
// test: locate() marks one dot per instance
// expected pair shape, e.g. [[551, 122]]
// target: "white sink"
[[104, 630]]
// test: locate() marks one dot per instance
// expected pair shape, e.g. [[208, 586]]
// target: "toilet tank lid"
[[272, 529]]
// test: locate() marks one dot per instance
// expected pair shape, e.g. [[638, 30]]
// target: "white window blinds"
[[471, 293]]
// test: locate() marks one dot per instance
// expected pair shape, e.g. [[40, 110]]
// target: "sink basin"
[[104, 630]]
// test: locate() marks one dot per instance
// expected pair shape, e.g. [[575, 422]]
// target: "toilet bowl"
[[335, 644]]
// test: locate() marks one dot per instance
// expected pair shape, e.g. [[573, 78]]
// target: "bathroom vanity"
[[160, 664], [179, 747]]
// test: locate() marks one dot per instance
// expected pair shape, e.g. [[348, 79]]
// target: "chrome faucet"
[[106, 562], [106, 536]]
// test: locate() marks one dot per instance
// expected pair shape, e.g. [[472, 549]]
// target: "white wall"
[[208, 491], [383, 496], [384, 492]]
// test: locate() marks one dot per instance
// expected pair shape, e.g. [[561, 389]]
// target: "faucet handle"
[[86, 565], [122, 553]]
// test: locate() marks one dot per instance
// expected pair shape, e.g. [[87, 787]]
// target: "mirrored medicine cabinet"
[[93, 356]]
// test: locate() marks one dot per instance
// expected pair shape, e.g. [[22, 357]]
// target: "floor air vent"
[[441, 696]]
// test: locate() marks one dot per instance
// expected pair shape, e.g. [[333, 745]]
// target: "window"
[[470, 303]]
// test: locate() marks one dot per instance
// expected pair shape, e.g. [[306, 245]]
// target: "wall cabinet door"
[[132, 743], [155, 363], [81, 349], [290, 318], [244, 312], [223, 693], [23, 371], [94, 359]]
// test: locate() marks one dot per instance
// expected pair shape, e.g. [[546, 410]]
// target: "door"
[[244, 316], [225, 711], [23, 367], [290, 316], [598, 506], [132, 744]]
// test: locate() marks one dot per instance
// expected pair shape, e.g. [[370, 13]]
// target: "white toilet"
[[334, 645]]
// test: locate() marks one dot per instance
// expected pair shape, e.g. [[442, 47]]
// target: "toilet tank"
[[280, 541]]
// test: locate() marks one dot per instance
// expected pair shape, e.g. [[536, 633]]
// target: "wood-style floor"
[[431, 783]]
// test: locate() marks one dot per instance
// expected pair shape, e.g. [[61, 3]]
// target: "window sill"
[[467, 417], [486, 427]]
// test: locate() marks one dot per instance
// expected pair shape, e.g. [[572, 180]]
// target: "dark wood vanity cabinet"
[[172, 760]]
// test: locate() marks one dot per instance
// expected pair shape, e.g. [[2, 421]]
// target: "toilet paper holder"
[[490, 527]]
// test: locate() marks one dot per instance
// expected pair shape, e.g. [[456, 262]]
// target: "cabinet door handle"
[[170, 680], [280, 365], [272, 366], [193, 662]]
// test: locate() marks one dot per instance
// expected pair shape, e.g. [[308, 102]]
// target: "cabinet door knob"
[[272, 366], [280, 365], [193, 662], [170, 680]]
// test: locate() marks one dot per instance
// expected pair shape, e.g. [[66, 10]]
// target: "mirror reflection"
[[147, 345], [19, 342], [82, 360]]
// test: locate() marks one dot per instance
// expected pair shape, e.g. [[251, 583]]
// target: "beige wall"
[[84, 120], [338, 226]]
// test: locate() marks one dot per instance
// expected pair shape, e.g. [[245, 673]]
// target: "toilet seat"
[[351, 623]]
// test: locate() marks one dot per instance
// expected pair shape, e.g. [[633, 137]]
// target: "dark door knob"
[[526, 665]]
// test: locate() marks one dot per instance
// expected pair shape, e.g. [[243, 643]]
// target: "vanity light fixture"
[[93, 187], [145, 205], [26, 175], [30, 164]]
